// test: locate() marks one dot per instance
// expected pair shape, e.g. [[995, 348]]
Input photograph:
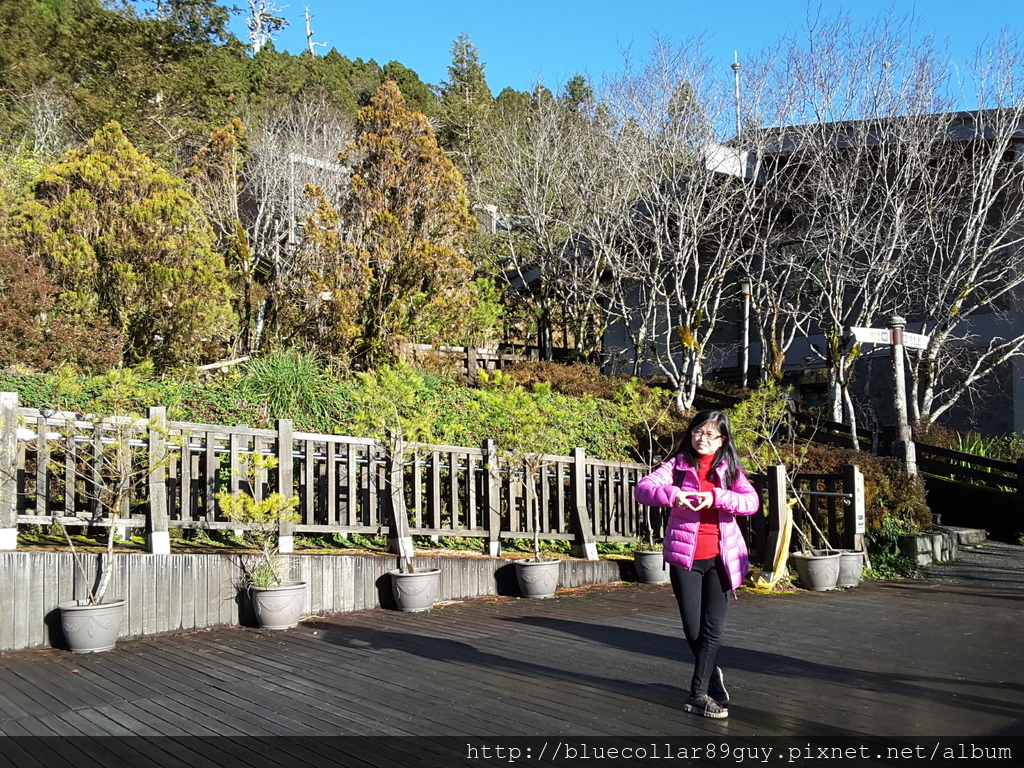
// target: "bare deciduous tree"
[[291, 148], [967, 270], [853, 176], [544, 174], [692, 215]]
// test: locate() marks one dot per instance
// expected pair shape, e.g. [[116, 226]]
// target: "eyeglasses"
[[710, 436]]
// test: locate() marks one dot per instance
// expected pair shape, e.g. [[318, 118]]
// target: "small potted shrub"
[[385, 407], [816, 569], [276, 600], [107, 459], [526, 435], [537, 576]]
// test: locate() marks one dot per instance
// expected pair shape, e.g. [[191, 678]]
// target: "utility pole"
[[736, 75]]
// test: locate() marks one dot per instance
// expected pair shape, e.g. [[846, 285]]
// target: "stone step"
[[941, 544], [965, 536]]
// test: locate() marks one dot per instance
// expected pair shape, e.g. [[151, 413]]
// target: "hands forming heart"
[[693, 500]]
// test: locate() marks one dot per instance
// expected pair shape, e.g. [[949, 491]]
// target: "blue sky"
[[551, 40]]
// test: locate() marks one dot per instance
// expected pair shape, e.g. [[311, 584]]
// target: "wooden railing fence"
[[469, 361], [343, 483], [980, 470], [804, 427], [50, 473], [834, 433], [831, 508], [824, 507]]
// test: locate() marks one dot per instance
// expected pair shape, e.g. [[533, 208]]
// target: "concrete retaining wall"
[[939, 546], [180, 593]]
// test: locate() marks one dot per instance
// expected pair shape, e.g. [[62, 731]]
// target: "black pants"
[[703, 597]]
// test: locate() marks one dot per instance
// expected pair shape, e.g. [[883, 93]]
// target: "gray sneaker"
[[716, 688], [705, 706]]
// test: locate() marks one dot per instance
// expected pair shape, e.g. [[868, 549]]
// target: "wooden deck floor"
[[898, 665]]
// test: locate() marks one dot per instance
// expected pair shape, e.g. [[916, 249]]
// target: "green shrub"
[[888, 489], [999, 447], [760, 428], [887, 561]]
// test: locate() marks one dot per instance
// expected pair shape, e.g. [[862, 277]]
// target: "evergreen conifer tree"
[[125, 239], [466, 109]]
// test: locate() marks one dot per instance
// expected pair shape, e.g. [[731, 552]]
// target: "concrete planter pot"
[[816, 572], [537, 579], [91, 628], [415, 591], [279, 607], [851, 566], [650, 566]]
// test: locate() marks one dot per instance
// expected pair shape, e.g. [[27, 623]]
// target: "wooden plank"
[[42, 474], [457, 517], [25, 753], [154, 747], [473, 516], [580, 663], [309, 481], [235, 448], [544, 499], [70, 459], [352, 486], [331, 488], [434, 490], [187, 509], [370, 483], [966, 474], [416, 460], [1008, 467], [134, 590], [240, 430]]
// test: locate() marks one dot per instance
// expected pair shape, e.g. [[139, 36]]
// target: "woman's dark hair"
[[726, 453]]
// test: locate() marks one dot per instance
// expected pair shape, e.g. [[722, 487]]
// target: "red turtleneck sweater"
[[707, 532]]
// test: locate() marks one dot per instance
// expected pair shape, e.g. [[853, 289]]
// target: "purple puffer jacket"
[[657, 490]]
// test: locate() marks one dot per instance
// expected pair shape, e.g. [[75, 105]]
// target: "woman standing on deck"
[[705, 488]]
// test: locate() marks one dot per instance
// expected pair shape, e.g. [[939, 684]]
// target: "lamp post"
[[745, 287]]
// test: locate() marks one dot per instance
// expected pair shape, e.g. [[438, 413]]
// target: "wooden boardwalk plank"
[[287, 670], [395, 674], [141, 722], [882, 661], [484, 676]]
